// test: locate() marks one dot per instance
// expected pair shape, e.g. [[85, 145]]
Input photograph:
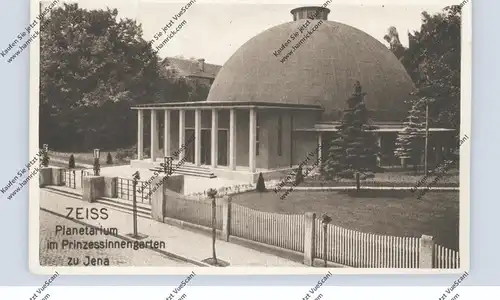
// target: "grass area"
[[398, 178], [396, 213], [88, 158], [62, 165]]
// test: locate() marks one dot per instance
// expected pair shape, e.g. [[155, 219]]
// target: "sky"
[[214, 31]]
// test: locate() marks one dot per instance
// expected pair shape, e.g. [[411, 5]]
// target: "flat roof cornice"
[[224, 104]]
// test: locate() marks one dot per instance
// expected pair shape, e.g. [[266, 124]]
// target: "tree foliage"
[[71, 162], [392, 37], [410, 141], [355, 149], [93, 67], [109, 159], [261, 185], [432, 60]]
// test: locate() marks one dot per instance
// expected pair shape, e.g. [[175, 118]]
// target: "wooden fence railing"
[[198, 212], [69, 178], [125, 190], [445, 258], [285, 231], [366, 250]]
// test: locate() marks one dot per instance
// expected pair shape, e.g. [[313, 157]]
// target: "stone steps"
[[190, 171], [143, 210]]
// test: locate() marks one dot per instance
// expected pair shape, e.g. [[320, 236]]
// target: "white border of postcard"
[[466, 96]]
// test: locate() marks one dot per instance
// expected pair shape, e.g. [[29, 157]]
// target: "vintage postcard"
[[194, 137]]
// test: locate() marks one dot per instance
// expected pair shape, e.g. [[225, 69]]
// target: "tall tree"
[[410, 141], [432, 59], [353, 154], [392, 37], [94, 66]]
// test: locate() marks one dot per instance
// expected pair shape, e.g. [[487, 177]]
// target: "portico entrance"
[[206, 147]]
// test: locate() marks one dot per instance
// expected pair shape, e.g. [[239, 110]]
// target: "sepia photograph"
[[248, 138]]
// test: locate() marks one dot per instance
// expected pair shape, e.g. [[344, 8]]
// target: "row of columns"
[[197, 136]]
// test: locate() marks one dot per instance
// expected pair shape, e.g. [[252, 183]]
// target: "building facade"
[[279, 97]]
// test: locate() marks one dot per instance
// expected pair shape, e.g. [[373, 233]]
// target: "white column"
[[232, 139], [252, 141], [379, 144], [140, 134], [215, 135], [166, 134], [182, 134], [154, 134], [197, 137], [320, 147]]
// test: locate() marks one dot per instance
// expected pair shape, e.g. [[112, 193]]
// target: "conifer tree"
[[299, 176], [410, 141], [353, 154], [45, 159], [109, 159], [261, 186], [71, 162]]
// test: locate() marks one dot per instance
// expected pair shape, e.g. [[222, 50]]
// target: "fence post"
[[309, 238], [158, 199], [45, 176], [426, 252], [93, 188], [226, 218], [57, 176], [110, 187]]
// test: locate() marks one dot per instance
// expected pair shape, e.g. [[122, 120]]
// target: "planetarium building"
[[278, 98]]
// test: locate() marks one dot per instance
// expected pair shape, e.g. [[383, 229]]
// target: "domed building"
[[278, 97]]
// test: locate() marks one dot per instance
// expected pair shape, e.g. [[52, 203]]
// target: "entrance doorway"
[[206, 147]]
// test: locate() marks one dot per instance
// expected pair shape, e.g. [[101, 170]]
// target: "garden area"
[[395, 213], [114, 158], [391, 178]]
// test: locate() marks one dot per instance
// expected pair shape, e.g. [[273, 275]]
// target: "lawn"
[[389, 179], [88, 157], [396, 213]]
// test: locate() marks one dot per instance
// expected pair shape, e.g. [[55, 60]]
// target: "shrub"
[[261, 186], [109, 159], [121, 154], [45, 159], [299, 177], [71, 162]]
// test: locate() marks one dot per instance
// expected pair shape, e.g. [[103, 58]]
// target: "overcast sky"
[[214, 31]]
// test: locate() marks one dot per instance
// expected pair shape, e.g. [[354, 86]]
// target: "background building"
[[280, 96]]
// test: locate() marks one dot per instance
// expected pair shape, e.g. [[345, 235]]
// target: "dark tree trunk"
[[358, 184]]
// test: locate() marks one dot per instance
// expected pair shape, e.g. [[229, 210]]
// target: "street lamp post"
[[135, 234], [426, 136], [136, 177], [97, 167], [325, 220], [212, 193]]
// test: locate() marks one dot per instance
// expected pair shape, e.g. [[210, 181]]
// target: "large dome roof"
[[322, 71]]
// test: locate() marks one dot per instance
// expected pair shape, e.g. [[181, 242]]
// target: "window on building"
[[280, 133], [257, 131]]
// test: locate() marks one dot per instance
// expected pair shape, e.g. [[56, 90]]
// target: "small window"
[[280, 133]]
